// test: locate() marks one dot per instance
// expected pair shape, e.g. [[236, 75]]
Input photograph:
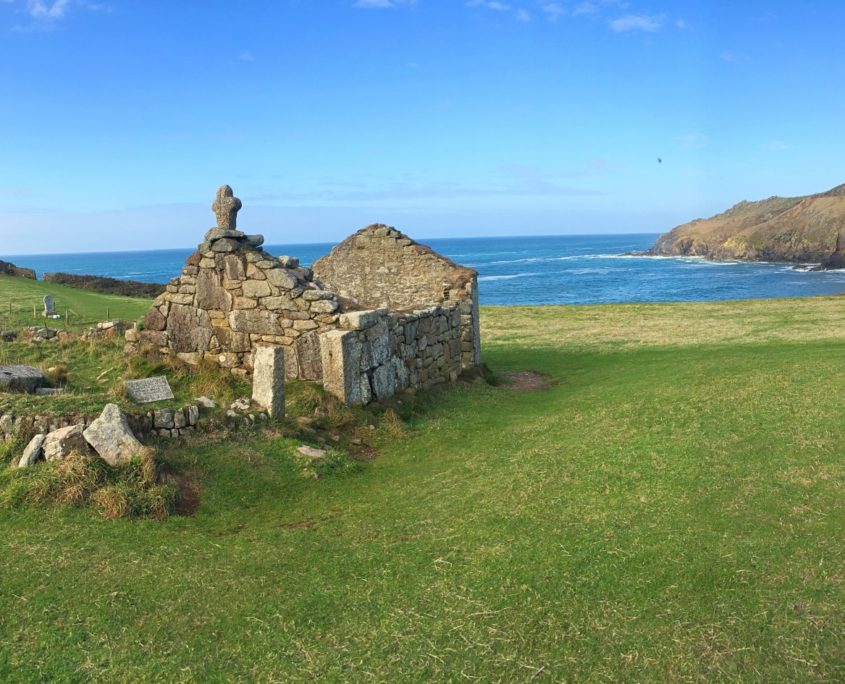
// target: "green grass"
[[671, 509], [95, 373], [18, 296]]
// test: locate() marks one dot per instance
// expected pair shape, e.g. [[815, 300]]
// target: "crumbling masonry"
[[379, 314]]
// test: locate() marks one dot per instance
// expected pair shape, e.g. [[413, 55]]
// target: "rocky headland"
[[7, 268], [809, 229]]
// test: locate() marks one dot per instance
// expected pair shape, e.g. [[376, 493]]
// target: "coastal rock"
[[788, 229]]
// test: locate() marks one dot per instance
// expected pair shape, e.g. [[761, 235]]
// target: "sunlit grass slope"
[[671, 509], [20, 295]]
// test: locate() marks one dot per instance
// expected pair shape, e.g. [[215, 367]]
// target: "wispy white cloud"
[[583, 8], [523, 15], [246, 57], [553, 10], [495, 5], [774, 146], [637, 22], [382, 4], [681, 24], [44, 10]]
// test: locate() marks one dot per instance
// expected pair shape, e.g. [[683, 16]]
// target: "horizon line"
[[274, 244]]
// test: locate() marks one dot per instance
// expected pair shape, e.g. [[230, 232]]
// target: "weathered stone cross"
[[225, 208]]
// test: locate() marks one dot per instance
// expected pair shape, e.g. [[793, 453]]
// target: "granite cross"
[[225, 208]]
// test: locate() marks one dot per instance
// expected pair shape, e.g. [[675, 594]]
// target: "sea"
[[560, 269]]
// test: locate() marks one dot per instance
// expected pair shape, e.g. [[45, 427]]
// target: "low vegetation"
[[125, 288], [134, 490], [22, 303], [667, 507], [93, 372]]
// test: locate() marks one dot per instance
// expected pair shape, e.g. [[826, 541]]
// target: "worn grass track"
[[671, 509]]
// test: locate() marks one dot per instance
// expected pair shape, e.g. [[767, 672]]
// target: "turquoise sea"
[[566, 269]]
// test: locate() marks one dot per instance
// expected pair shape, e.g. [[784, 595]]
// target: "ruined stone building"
[[379, 314]]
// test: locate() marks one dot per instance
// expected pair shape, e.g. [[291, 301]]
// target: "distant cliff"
[[797, 229], [10, 269]]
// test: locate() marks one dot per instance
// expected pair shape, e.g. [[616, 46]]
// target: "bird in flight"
[[659, 160]]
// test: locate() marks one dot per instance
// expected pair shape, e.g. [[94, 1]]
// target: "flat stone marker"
[[268, 380], [49, 306], [148, 390]]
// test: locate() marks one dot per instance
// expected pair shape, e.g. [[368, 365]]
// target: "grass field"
[[78, 308], [671, 509]]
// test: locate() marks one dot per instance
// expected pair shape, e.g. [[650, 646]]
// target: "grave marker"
[[49, 306], [148, 390]]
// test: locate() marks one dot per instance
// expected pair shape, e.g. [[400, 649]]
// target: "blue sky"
[[441, 117]]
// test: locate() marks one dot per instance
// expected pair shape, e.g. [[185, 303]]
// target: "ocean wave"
[[506, 277]]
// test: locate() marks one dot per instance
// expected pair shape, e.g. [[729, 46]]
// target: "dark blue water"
[[562, 269]]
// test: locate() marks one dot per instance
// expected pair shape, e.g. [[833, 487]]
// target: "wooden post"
[[108, 314], [33, 312]]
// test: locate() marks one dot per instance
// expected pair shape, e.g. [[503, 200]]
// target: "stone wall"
[[172, 422], [379, 267], [377, 353]]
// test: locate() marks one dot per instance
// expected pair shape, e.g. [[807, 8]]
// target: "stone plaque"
[[148, 390]]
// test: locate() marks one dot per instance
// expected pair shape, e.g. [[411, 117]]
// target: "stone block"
[[361, 320], [233, 267], [163, 419], [281, 278], [323, 306], [278, 304], [305, 325], [268, 379], [154, 320], [224, 245], [210, 292], [60, 443], [189, 329], [341, 359], [255, 321], [245, 303], [256, 289]]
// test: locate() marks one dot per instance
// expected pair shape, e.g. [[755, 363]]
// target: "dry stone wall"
[[171, 422], [379, 267], [377, 353]]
